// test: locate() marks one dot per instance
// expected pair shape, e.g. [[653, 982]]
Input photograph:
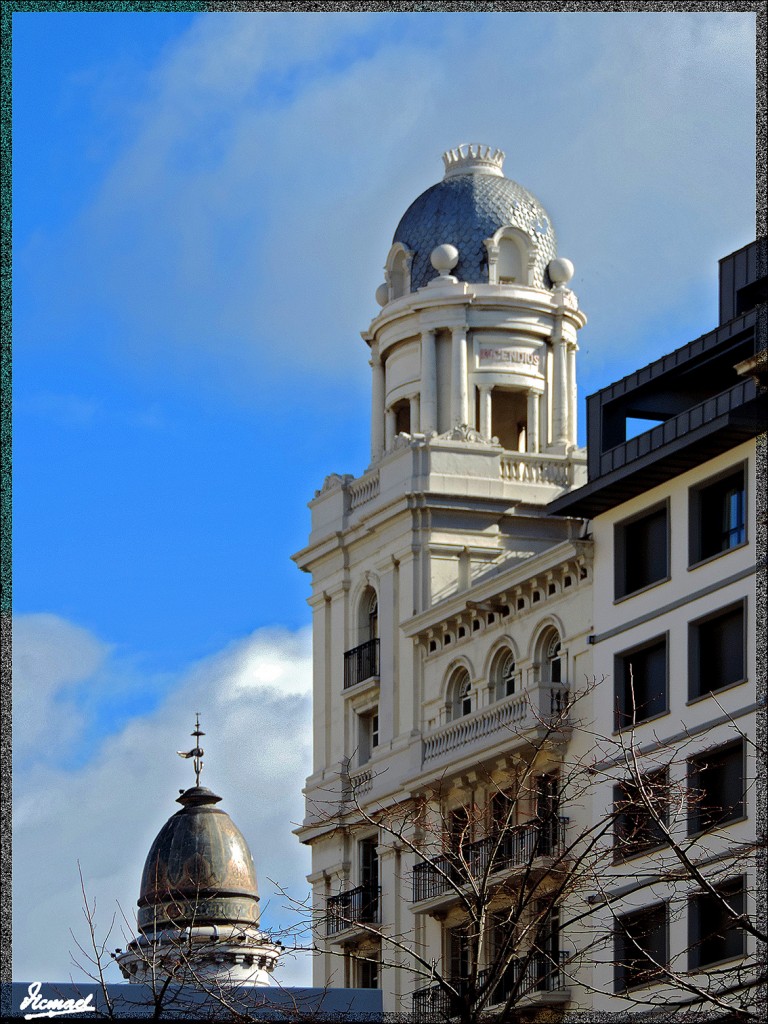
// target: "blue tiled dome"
[[465, 209]]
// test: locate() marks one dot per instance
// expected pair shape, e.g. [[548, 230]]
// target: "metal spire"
[[197, 751]]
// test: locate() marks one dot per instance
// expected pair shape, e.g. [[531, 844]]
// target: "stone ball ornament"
[[560, 271], [444, 258], [382, 294]]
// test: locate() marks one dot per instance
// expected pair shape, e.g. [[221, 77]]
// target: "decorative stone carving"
[[462, 432], [333, 482]]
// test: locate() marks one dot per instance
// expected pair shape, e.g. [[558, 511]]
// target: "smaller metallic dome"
[[199, 869]]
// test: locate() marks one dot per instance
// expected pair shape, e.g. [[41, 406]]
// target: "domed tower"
[[477, 333], [448, 604], [198, 918]]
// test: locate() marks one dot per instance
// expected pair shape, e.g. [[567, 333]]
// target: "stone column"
[[486, 419], [377, 405], [560, 385], [415, 406], [428, 419], [572, 396], [532, 432], [459, 398]]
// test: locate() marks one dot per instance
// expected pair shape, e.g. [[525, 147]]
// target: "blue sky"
[[203, 204]]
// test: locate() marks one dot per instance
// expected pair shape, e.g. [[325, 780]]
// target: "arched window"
[[368, 623], [510, 265], [459, 694], [397, 276], [551, 657], [510, 254], [398, 271], [402, 411], [504, 674]]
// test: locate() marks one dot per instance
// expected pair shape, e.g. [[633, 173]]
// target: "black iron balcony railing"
[[520, 844], [538, 973], [523, 977], [357, 906], [361, 663]]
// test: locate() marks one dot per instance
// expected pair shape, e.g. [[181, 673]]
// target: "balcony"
[[357, 906], [524, 978], [361, 663], [516, 846], [504, 720]]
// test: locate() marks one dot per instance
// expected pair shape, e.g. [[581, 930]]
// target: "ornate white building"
[[448, 607], [455, 620]]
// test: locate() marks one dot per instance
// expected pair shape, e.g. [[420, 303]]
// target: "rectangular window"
[[640, 947], [716, 651], [717, 516], [368, 873], [368, 972], [502, 808], [368, 735], [641, 551], [641, 683], [459, 831], [716, 787], [636, 828], [369, 862], [713, 932], [462, 952]]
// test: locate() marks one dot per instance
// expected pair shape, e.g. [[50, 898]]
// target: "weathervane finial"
[[197, 751]]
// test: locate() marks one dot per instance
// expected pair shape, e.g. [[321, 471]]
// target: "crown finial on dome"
[[473, 159]]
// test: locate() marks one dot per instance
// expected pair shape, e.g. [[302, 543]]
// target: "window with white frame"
[[459, 694], [504, 674], [368, 735]]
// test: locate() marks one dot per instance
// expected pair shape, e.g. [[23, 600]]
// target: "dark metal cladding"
[[199, 867], [464, 211]]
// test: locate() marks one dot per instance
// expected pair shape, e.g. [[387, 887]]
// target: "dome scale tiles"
[[467, 207]]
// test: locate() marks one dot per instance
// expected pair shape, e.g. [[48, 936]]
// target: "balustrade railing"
[[529, 468], [522, 977], [356, 906], [523, 711], [361, 663], [519, 844], [538, 973], [364, 489]]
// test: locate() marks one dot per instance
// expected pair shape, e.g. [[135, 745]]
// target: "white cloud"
[[255, 711], [50, 656]]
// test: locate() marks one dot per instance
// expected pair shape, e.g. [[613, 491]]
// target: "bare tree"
[[531, 886], [173, 963]]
